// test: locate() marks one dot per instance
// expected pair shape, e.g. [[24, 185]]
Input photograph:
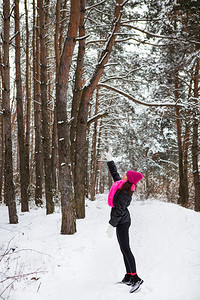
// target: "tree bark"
[[65, 179], [54, 133], [62, 26], [8, 175], [1, 129], [77, 92], [185, 160], [1, 150], [186, 142], [1, 153], [99, 168], [195, 140], [86, 167], [94, 153], [45, 113], [37, 111], [81, 129], [20, 118], [182, 195], [28, 102]]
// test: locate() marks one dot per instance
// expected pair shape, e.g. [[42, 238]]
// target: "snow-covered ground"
[[164, 237]]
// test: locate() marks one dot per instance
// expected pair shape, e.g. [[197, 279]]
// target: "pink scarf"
[[116, 186]]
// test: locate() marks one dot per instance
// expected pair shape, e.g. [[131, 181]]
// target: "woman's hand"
[[110, 231], [108, 154]]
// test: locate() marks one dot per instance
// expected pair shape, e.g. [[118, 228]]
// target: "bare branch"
[[159, 36], [138, 101], [140, 20], [96, 117], [79, 38], [169, 162], [12, 38], [124, 3], [33, 100], [7, 250], [15, 277], [95, 5], [141, 42], [22, 250], [6, 288], [94, 42]]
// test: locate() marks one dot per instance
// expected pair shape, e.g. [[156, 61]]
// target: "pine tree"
[[65, 180], [20, 118], [8, 166], [45, 112]]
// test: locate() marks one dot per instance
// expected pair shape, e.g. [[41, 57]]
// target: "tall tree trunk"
[[81, 128], [37, 110], [78, 85], [147, 187], [94, 152], [45, 112], [54, 134], [62, 25], [1, 129], [20, 118], [182, 195], [99, 168], [185, 160], [28, 102], [1, 150], [86, 167], [65, 179], [54, 153], [8, 174], [186, 142], [1, 154], [195, 140]]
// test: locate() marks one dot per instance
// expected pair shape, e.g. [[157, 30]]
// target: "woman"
[[120, 219]]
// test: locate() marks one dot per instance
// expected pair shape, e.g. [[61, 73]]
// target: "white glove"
[[110, 231], [108, 155]]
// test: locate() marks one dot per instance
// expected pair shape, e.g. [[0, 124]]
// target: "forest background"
[[80, 76]]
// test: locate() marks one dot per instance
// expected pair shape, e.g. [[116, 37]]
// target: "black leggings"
[[122, 231]]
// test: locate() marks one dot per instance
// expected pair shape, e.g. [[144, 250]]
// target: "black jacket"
[[122, 199]]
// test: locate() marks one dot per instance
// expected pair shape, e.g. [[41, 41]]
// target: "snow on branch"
[[96, 117], [95, 5], [140, 42], [125, 1], [105, 52], [120, 77], [95, 41], [12, 38], [169, 162], [33, 100], [159, 36], [79, 38], [154, 104], [141, 20]]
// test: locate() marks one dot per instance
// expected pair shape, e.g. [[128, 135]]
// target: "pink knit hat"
[[134, 177]]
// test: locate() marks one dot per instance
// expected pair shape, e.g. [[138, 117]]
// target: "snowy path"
[[164, 238]]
